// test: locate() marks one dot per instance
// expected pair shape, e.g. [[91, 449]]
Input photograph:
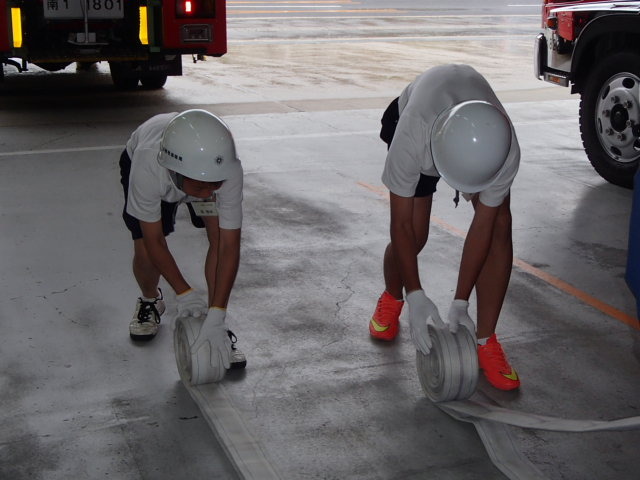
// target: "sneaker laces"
[[233, 339], [386, 309], [496, 354], [148, 310]]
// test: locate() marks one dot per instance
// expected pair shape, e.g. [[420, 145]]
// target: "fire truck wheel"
[[124, 83], [153, 81], [123, 76], [610, 117]]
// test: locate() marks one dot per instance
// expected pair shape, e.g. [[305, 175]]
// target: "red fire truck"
[[143, 40], [593, 46]]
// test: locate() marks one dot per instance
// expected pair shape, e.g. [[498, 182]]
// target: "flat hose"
[[449, 376], [242, 449]]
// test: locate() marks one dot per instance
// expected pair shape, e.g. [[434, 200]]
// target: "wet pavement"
[[321, 399]]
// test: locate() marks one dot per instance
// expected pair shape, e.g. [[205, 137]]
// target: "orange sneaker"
[[385, 322], [495, 366]]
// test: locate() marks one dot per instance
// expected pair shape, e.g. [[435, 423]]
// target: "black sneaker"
[[146, 318], [237, 360]]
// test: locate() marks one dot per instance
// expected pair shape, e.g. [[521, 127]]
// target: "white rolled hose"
[[203, 384], [450, 370], [449, 376], [194, 368]]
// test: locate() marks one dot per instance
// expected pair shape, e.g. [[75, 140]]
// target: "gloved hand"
[[459, 315], [214, 332], [191, 304], [420, 309]]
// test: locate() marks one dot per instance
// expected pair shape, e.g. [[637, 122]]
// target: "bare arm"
[[223, 258], [476, 249], [156, 246], [403, 241]]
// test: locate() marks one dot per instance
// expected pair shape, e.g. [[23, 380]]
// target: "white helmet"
[[196, 144], [469, 145]]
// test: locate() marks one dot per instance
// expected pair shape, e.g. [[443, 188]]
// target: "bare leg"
[[421, 214], [493, 280], [145, 272]]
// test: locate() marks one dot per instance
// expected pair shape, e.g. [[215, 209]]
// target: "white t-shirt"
[[150, 182], [432, 92]]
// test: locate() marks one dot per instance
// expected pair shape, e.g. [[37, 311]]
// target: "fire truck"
[[594, 47], [142, 40]]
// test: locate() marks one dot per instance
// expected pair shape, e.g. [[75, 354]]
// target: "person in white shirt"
[[170, 159], [449, 123]]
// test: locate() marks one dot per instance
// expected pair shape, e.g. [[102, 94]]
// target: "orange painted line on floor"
[[536, 272], [381, 191]]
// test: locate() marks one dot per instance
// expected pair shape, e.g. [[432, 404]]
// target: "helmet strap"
[[177, 179]]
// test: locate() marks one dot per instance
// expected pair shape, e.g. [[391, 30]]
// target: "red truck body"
[[143, 40], [594, 48]]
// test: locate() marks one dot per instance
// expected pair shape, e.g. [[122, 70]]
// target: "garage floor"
[[323, 401]]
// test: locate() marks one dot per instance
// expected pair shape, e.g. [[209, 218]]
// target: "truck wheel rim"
[[618, 117]]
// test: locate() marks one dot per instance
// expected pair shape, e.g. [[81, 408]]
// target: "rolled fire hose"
[[201, 381], [450, 371], [449, 376], [194, 368]]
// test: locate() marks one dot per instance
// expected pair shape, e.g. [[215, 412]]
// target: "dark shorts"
[[427, 184], [168, 209]]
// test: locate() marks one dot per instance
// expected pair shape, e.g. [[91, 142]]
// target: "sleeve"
[[229, 202], [498, 191], [145, 195], [402, 167]]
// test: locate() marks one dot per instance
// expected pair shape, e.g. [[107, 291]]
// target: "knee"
[[421, 241], [503, 225], [141, 258]]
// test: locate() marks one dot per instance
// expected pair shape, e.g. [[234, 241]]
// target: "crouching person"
[[170, 159]]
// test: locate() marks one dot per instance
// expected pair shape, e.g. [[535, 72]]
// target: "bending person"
[[449, 123], [170, 159]]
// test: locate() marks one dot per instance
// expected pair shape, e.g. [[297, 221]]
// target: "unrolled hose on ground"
[[449, 376], [202, 382]]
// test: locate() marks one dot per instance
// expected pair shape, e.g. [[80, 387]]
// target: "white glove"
[[214, 332], [191, 304], [459, 315], [420, 309]]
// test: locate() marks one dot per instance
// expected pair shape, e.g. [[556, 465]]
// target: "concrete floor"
[[80, 400], [324, 401]]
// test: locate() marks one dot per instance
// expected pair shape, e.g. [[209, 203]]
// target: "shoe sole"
[[142, 337], [381, 339], [238, 365]]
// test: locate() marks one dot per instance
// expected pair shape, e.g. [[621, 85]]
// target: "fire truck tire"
[[122, 76], [124, 83], [153, 81], [610, 117]]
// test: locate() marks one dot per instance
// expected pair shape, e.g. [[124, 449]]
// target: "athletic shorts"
[[427, 184], [168, 209]]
